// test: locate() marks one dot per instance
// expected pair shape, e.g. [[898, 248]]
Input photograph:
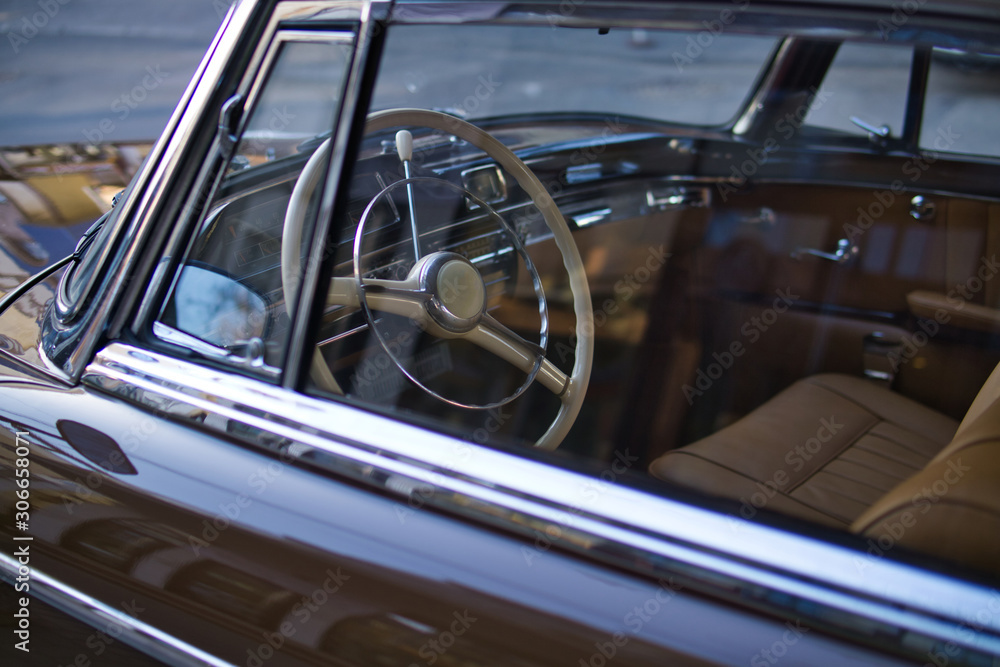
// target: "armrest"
[[960, 313]]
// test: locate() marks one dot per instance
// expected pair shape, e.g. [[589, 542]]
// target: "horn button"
[[459, 294]]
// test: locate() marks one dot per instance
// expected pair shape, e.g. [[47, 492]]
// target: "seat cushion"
[[825, 449]]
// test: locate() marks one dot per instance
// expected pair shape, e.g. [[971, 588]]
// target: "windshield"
[[696, 78]]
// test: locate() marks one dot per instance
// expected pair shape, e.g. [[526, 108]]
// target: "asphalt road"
[[68, 65]]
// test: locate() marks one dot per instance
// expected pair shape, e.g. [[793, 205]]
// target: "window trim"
[[253, 83]]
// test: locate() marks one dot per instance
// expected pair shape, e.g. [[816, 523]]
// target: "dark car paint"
[[215, 543]]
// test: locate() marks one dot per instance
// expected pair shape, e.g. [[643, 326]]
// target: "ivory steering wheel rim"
[[574, 387]]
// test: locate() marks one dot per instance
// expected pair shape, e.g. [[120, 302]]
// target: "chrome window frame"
[[79, 338], [185, 233]]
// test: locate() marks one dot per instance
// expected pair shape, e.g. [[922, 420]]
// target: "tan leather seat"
[[845, 452], [951, 508]]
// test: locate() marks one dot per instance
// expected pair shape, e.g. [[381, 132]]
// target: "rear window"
[[868, 82], [963, 95]]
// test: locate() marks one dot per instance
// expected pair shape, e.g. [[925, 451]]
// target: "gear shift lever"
[[404, 149]]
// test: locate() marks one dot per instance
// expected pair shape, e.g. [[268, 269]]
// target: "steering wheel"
[[444, 292]]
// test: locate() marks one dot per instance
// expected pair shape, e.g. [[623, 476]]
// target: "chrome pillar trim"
[[753, 108], [140, 636], [151, 179], [207, 181], [833, 586], [372, 11]]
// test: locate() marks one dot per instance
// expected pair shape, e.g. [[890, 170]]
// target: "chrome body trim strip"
[[140, 636], [737, 560]]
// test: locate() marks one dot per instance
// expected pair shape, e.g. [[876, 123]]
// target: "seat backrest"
[[987, 396], [951, 508]]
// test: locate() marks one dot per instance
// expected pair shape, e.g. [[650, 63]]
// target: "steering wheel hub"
[[459, 300]]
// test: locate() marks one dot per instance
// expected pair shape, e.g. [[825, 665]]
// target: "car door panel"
[[240, 553], [748, 265]]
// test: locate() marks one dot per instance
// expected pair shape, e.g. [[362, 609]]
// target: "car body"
[[393, 349]]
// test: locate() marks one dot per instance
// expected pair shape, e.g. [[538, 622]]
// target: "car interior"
[[791, 314]]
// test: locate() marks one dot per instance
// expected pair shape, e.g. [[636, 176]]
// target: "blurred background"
[[86, 87]]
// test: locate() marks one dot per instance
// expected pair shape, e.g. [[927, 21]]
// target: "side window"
[[228, 299], [458, 299], [869, 82], [963, 92]]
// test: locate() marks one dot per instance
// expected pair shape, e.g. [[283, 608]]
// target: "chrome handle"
[[846, 251], [229, 120], [678, 197], [878, 135], [922, 208]]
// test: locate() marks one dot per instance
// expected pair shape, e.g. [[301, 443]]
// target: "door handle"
[[678, 196], [846, 251]]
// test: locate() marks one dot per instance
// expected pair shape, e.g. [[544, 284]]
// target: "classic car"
[[529, 333]]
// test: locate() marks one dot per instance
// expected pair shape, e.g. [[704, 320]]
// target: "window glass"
[[963, 92], [82, 276], [228, 300], [402, 340], [869, 82], [745, 343], [672, 75]]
